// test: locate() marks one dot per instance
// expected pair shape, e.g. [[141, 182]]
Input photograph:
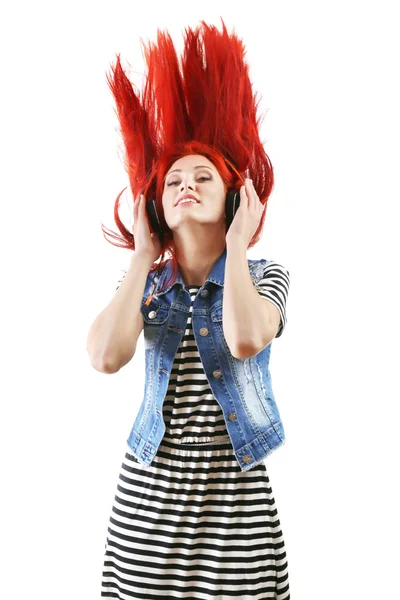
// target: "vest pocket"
[[216, 314], [155, 313]]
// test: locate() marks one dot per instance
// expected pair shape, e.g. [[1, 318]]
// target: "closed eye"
[[199, 179]]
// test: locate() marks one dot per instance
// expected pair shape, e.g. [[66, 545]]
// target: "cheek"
[[165, 197]]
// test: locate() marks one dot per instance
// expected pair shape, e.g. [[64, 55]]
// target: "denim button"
[[217, 373], [247, 458], [203, 331], [204, 293], [232, 416], [152, 314]]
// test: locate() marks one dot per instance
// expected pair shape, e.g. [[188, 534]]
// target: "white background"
[[328, 75]]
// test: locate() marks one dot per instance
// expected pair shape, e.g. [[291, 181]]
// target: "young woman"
[[194, 514]]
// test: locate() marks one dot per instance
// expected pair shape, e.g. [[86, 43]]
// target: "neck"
[[196, 260]]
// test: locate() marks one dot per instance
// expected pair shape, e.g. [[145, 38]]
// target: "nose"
[[186, 184]]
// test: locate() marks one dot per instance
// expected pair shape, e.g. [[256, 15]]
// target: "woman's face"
[[195, 175]]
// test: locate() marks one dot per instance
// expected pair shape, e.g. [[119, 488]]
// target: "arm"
[[112, 337], [249, 321]]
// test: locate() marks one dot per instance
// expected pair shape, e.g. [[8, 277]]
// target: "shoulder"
[[268, 268], [272, 267]]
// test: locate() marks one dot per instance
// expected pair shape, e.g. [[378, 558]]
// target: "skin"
[[199, 230]]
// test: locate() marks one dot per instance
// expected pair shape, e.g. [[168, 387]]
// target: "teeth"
[[187, 200]]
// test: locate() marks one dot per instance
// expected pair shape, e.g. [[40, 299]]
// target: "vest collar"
[[216, 276]]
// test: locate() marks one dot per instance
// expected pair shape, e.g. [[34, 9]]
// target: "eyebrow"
[[198, 167]]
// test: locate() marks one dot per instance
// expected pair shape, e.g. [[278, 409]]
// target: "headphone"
[[232, 203]]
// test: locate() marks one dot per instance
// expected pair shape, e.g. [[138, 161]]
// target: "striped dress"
[[192, 525]]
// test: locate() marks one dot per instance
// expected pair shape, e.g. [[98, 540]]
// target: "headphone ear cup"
[[152, 213], [231, 204]]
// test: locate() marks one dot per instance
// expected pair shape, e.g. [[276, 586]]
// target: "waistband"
[[219, 445]]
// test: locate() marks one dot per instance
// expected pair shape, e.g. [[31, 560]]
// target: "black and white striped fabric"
[[193, 525], [274, 286]]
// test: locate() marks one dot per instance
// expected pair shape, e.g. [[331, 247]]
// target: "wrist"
[[235, 244], [141, 257]]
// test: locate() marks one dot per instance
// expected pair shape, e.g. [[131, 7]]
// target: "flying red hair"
[[201, 104]]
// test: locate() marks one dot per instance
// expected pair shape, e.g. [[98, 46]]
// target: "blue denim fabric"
[[242, 388]]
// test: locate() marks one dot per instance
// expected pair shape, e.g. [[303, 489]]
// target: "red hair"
[[200, 104]]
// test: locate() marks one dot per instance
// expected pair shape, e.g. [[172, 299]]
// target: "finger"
[[136, 207], [250, 192], [257, 201], [244, 196]]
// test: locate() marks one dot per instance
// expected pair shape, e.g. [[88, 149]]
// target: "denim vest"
[[242, 387]]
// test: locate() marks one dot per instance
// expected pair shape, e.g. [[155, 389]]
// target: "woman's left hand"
[[247, 217]]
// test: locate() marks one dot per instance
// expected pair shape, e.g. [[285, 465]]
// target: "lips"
[[187, 196]]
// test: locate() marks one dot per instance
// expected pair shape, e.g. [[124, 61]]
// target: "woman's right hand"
[[146, 243]]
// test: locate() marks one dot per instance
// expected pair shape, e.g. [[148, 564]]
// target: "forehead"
[[190, 162]]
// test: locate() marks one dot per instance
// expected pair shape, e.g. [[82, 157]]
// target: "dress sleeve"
[[274, 286]]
